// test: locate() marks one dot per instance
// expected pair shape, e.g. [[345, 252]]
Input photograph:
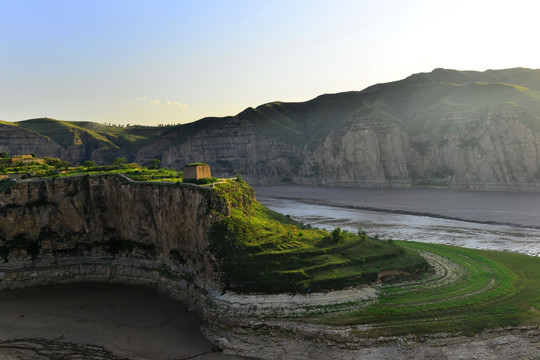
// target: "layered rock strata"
[[491, 151], [108, 228]]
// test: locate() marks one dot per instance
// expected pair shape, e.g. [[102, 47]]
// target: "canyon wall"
[[490, 151], [108, 228]]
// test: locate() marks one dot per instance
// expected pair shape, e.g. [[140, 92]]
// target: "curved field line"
[[481, 294]]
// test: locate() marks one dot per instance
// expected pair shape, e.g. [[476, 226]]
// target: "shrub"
[[154, 163], [337, 235], [202, 181], [119, 161]]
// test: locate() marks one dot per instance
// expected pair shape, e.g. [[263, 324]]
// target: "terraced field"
[[468, 291], [265, 252]]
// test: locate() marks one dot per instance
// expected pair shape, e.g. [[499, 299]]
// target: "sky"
[[168, 62]]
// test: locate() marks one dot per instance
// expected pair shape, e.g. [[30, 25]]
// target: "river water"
[[504, 221]]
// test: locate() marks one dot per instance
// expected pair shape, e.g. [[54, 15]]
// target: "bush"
[[119, 161], [154, 163], [337, 235], [202, 181]]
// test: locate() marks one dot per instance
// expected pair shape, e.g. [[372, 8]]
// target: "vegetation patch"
[[493, 290], [117, 245], [202, 181], [53, 167], [19, 242], [5, 185], [265, 252]]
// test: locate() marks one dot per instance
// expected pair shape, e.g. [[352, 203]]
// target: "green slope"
[[265, 252], [104, 137], [418, 104]]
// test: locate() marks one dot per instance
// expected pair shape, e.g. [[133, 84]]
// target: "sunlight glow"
[[94, 58]]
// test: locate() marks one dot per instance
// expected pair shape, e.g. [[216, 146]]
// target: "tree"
[[89, 163], [65, 164], [154, 163], [119, 161], [337, 235]]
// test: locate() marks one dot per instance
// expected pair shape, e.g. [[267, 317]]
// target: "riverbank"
[[495, 221]]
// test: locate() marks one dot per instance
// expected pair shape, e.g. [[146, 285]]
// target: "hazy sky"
[[152, 62]]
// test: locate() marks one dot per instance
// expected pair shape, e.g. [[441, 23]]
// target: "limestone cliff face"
[[235, 148], [485, 151], [107, 219], [489, 154]]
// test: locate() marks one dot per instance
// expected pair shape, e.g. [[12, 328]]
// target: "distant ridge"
[[447, 128]]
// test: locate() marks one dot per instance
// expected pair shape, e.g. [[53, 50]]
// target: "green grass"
[[57, 168], [265, 252], [495, 289]]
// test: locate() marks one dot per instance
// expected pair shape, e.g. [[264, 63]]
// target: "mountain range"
[[450, 128]]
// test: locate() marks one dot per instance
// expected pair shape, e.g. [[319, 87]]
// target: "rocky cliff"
[[107, 227]]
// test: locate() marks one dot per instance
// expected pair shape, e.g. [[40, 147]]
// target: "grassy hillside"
[[473, 291], [428, 103], [263, 251], [52, 167], [68, 133], [425, 103]]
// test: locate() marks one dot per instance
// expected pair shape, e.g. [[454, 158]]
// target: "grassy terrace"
[[263, 251], [492, 289]]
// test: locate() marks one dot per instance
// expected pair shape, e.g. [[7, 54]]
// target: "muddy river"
[[506, 221]]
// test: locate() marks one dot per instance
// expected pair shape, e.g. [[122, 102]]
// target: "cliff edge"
[[109, 228]]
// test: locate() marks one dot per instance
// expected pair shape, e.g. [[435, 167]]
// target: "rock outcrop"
[[108, 228], [495, 152]]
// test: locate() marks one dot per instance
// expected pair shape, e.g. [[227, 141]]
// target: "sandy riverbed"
[[99, 321]]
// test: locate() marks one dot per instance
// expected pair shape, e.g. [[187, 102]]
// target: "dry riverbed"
[[99, 321]]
